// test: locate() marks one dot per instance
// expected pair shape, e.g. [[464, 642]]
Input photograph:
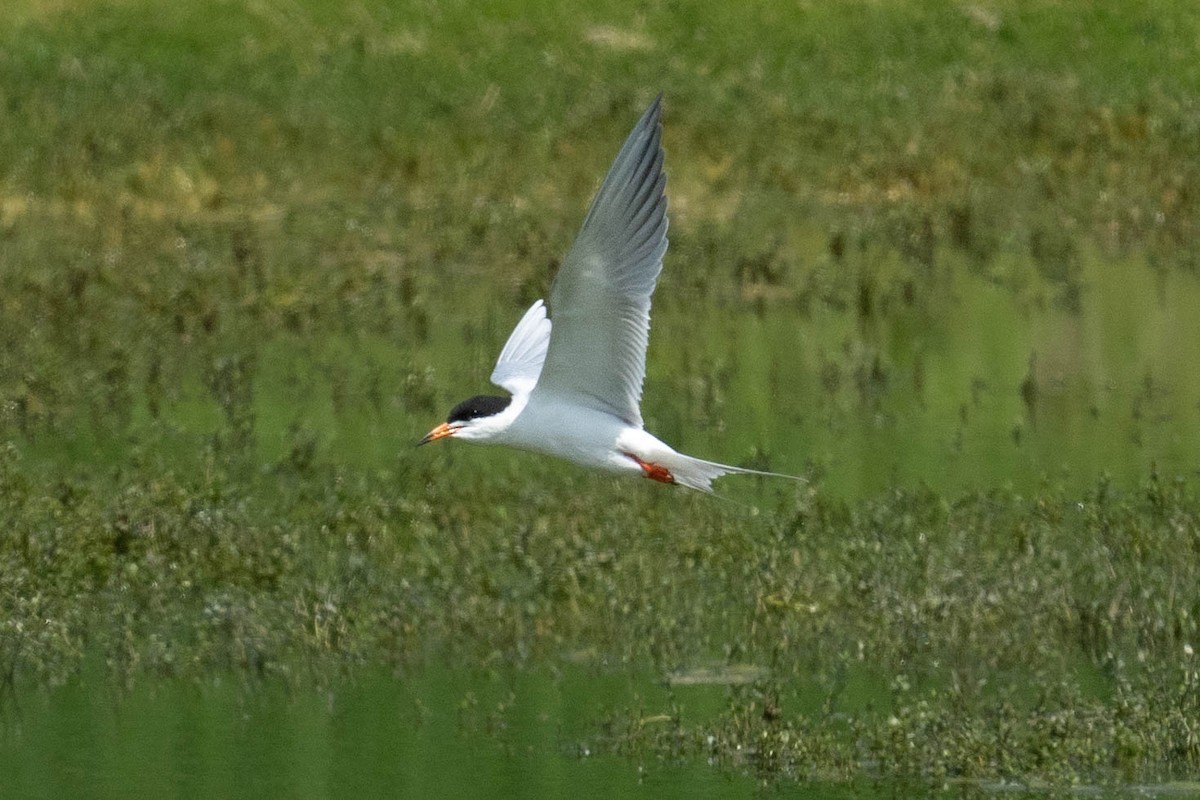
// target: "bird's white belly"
[[583, 435]]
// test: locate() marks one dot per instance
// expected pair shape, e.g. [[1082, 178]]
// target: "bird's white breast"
[[583, 435]]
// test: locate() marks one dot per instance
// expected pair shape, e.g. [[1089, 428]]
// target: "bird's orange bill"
[[440, 432]]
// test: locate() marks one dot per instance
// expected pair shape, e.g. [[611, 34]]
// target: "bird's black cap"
[[483, 405]]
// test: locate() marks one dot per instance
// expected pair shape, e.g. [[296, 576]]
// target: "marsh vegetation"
[[939, 258]]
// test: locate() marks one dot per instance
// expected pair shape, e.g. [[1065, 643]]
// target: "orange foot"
[[655, 472]]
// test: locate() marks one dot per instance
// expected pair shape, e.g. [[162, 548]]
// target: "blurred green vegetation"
[[937, 256], [937, 243]]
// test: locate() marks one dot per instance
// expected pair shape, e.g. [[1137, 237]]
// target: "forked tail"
[[696, 473]]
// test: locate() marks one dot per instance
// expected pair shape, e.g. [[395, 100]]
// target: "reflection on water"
[[954, 381], [957, 383], [434, 735]]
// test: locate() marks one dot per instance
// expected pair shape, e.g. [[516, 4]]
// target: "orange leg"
[[655, 472]]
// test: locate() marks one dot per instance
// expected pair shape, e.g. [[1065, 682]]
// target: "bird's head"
[[480, 417]]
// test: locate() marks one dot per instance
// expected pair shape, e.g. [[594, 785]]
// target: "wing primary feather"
[[601, 296], [521, 358]]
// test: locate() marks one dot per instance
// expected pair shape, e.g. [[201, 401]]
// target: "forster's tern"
[[576, 385]]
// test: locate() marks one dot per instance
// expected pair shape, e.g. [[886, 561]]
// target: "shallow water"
[[968, 384], [247, 262], [439, 734]]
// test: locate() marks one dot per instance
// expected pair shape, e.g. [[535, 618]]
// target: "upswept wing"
[[520, 361], [601, 297]]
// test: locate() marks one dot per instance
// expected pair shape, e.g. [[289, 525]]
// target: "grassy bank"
[[992, 637], [938, 257]]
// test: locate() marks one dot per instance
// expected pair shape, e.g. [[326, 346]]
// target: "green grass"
[[938, 257]]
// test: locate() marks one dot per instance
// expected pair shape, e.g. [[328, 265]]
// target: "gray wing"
[[600, 301], [520, 361]]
